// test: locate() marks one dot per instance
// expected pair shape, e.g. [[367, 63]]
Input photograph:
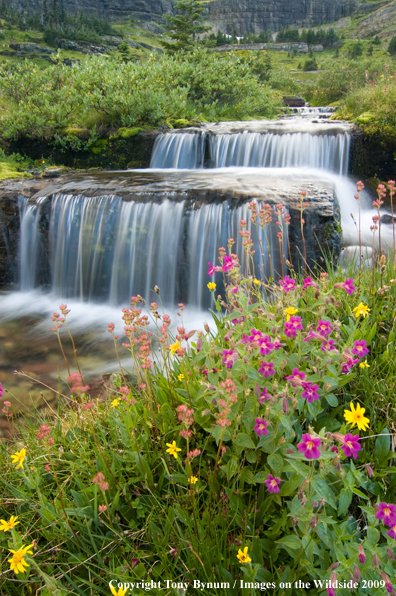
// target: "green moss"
[[8, 170], [125, 133], [181, 123], [76, 131], [365, 118], [99, 146]]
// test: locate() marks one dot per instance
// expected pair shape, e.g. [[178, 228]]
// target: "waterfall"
[[178, 150], [106, 249], [328, 152]]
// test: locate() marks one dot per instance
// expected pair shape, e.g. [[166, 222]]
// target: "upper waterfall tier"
[[296, 143]]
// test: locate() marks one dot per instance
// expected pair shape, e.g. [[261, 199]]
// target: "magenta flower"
[[297, 375], [310, 391], [387, 513], [287, 284], [228, 358], [255, 335], [359, 348], [392, 531], [351, 446], [261, 427], [330, 591], [227, 264], [267, 369], [328, 346], [211, 270], [264, 395], [348, 364], [308, 282], [324, 328], [292, 326], [277, 344], [309, 446], [272, 484], [348, 286], [266, 346]]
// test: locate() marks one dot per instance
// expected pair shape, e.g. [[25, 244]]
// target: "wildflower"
[[348, 364], [364, 364], [296, 377], [6, 526], [387, 581], [351, 446], [267, 369], [359, 348], [256, 282], [362, 556], [347, 285], [193, 480], [292, 326], [121, 591], [265, 345], [47, 468], [272, 484], [43, 431], [255, 335], [392, 531], [308, 283], [174, 348], [264, 395], [242, 556], [18, 458], [287, 284], [324, 328], [173, 449], [261, 427], [310, 391], [387, 513], [361, 309], [194, 453], [328, 346], [229, 358], [289, 311], [115, 402], [227, 264], [180, 377], [309, 446], [211, 286], [356, 416], [17, 561]]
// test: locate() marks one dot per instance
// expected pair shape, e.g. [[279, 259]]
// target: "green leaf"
[[370, 336], [243, 440], [373, 535], [290, 541], [260, 477], [332, 400], [276, 463], [286, 422], [344, 501], [359, 493], [382, 446], [324, 491]]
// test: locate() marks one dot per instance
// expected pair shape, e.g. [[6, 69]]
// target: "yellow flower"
[[121, 591], [242, 556], [17, 560], [193, 480], [211, 286], [18, 458], [256, 282], [5, 526], [356, 416], [361, 309], [174, 347], [289, 312], [364, 364], [180, 377], [115, 403], [173, 449]]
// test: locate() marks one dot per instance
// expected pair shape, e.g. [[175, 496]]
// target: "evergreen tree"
[[125, 52], [234, 39], [3, 10], [45, 13], [392, 46], [184, 26]]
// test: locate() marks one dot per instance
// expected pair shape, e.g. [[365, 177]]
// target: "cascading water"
[[182, 151], [106, 249]]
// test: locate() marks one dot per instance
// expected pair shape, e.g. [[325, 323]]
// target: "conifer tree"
[[184, 26]]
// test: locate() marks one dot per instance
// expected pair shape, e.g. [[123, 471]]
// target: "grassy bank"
[[237, 453]]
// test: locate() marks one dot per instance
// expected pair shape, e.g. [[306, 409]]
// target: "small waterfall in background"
[[104, 249], [183, 151]]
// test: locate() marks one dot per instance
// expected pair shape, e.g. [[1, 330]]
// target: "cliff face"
[[250, 16]]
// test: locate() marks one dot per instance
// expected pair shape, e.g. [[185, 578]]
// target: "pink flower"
[[261, 427], [287, 284], [50, 441], [292, 326], [309, 446], [229, 358], [362, 556], [387, 513], [98, 478], [211, 270], [296, 377], [272, 484], [324, 328], [308, 282], [348, 364], [359, 348], [255, 335], [102, 508], [392, 531], [310, 391], [264, 395], [267, 369], [88, 406], [227, 263], [47, 468], [7, 404], [43, 431], [266, 346], [328, 346], [348, 286], [1, 392], [351, 446]]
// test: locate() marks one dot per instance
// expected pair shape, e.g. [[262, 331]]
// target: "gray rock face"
[[250, 16]]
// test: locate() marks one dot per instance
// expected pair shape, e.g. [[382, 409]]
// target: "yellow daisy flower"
[[242, 556], [18, 458], [361, 309], [174, 347], [193, 480], [364, 364], [356, 416], [17, 561], [115, 403], [5, 526], [289, 312], [180, 377], [256, 282], [121, 591], [173, 449], [211, 286]]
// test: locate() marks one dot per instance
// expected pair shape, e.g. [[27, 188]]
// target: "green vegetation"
[[255, 450], [185, 25]]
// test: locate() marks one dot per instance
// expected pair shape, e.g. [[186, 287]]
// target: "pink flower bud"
[[376, 561]]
